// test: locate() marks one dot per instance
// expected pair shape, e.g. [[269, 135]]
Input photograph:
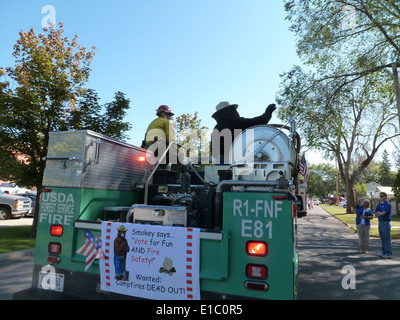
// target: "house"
[[380, 189], [371, 188], [391, 198]]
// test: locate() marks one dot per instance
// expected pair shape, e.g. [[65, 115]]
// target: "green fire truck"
[[246, 212]]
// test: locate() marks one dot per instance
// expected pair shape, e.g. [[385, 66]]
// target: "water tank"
[[261, 152]]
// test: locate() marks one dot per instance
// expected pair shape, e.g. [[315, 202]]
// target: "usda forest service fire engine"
[[237, 235]]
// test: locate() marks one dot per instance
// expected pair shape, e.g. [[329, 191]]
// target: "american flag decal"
[[92, 249]]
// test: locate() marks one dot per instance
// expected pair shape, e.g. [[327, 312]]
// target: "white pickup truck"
[[12, 188], [13, 206]]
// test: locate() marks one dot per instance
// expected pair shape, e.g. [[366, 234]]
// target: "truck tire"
[[5, 213]]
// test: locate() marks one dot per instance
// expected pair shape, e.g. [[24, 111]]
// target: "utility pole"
[[337, 184]]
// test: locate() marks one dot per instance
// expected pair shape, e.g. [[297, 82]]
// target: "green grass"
[[16, 239], [350, 219]]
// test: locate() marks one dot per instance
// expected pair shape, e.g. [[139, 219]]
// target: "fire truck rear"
[[246, 212]]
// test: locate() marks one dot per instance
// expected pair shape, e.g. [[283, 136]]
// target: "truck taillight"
[[256, 271], [54, 248], [56, 230], [257, 248], [294, 210], [53, 259], [258, 286]]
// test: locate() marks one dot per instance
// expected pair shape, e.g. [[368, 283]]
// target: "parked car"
[[12, 206], [333, 200], [12, 188], [8, 187], [316, 202], [343, 204], [32, 196]]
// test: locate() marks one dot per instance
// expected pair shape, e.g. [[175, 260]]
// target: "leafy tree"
[[361, 188], [385, 175], [48, 77], [88, 115], [396, 185], [397, 161], [349, 125], [345, 104], [322, 180], [370, 173], [359, 35], [191, 134], [42, 94]]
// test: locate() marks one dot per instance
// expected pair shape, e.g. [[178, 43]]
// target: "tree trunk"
[[348, 181], [351, 205], [36, 215]]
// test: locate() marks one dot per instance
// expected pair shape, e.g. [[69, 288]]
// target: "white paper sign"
[[153, 262]]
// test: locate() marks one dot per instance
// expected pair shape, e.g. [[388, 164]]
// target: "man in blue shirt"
[[384, 213]]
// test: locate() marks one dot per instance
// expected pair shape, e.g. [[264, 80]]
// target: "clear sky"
[[188, 54]]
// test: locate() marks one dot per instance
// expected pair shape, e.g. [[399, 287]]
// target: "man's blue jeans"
[[384, 232]]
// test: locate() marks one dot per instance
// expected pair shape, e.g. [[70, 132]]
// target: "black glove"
[[271, 108]]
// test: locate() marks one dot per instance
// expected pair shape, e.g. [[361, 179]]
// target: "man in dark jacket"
[[228, 117]]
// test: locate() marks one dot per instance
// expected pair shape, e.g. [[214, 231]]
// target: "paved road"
[[15, 275], [326, 245]]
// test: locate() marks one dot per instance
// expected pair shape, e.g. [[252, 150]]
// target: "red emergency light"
[[257, 248], [56, 230]]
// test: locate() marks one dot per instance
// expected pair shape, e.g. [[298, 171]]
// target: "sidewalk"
[[16, 222], [326, 245], [17, 255], [15, 274]]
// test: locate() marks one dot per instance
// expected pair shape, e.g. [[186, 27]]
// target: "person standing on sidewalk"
[[363, 223], [384, 213]]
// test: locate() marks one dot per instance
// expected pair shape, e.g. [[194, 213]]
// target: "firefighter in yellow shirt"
[[160, 129]]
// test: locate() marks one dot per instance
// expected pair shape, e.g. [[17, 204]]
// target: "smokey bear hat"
[[223, 105]]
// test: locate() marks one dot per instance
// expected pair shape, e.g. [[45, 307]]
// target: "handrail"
[[146, 186]]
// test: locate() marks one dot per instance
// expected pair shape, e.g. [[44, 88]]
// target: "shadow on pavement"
[[326, 245]]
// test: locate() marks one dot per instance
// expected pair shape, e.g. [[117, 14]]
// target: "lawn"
[[15, 239], [350, 219]]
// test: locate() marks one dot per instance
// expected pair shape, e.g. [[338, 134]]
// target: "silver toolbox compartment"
[[86, 159]]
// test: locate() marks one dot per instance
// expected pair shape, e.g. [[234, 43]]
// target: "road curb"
[[16, 255]]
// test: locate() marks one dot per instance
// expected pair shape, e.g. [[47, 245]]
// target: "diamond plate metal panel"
[[85, 159]]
